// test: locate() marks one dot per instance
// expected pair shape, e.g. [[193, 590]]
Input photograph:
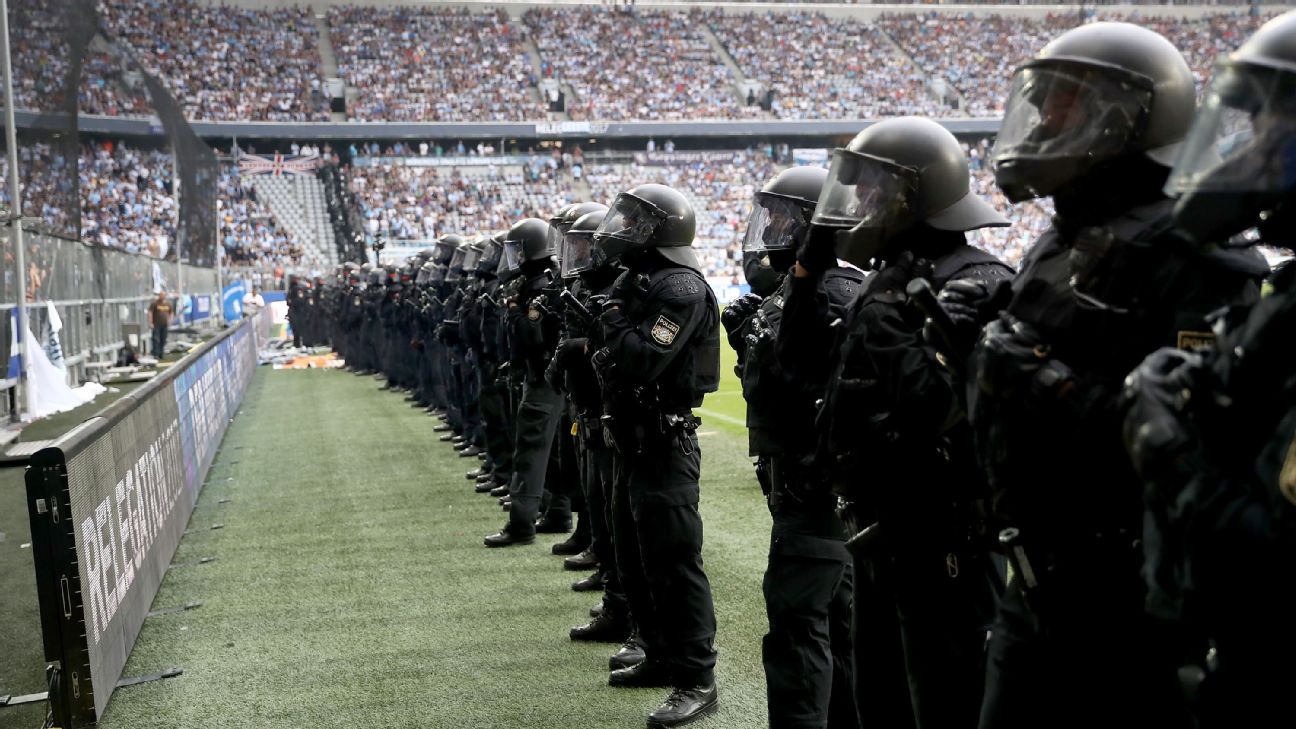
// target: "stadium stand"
[[433, 64], [225, 62], [669, 71], [824, 68]]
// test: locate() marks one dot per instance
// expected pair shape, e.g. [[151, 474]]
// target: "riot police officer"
[[1212, 433], [657, 355], [530, 248], [900, 202], [1093, 121], [572, 369], [809, 666]]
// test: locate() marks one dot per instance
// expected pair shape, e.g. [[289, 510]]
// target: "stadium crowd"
[[433, 64], [453, 64], [669, 72], [823, 68], [224, 62]]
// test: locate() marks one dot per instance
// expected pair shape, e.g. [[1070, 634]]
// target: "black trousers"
[[808, 657], [599, 474], [536, 424], [499, 439], [1080, 651], [657, 531]]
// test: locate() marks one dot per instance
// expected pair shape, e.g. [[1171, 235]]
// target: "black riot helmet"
[[445, 248], [424, 277], [1096, 94], [529, 240], [779, 221], [440, 272], [492, 252], [895, 175], [576, 256], [646, 217], [1238, 165], [459, 262], [568, 215]]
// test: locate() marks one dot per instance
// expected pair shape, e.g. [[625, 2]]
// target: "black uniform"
[[1104, 287], [809, 663], [658, 356], [533, 326]]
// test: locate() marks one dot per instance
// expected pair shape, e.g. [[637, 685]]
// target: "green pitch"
[[351, 588]]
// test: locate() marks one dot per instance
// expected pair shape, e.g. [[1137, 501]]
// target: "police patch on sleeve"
[[1190, 341], [664, 330]]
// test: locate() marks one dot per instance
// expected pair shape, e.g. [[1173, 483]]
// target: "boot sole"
[[515, 542], [705, 711]]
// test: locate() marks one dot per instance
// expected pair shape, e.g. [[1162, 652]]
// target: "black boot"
[[570, 545], [630, 654], [471, 451], [603, 629], [500, 491], [592, 583], [645, 674], [441, 428], [581, 562], [474, 475], [553, 525], [685, 705], [508, 536], [484, 487]]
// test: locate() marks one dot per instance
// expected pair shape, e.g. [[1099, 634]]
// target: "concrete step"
[[723, 54], [927, 79], [327, 59]]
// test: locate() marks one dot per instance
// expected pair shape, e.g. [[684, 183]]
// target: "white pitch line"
[[721, 417]]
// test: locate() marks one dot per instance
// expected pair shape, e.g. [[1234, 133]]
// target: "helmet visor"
[[513, 255], [439, 272], [631, 220], [443, 252], [456, 264], [1062, 109], [470, 259], [577, 253], [863, 190], [1244, 139], [491, 253], [776, 223]]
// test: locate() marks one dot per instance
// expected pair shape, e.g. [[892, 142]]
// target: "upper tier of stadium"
[[554, 62]]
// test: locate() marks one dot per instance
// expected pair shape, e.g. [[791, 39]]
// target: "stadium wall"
[[95, 290], [109, 502]]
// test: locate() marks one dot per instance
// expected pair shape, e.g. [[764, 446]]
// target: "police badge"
[[664, 330]]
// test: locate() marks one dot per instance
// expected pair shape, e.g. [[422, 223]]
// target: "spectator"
[[159, 316]]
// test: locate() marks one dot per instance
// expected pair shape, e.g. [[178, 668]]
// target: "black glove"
[[624, 289], [961, 299], [817, 251], [1158, 431], [739, 311], [890, 282], [1014, 361]]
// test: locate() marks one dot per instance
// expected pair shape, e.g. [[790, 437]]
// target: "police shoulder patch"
[[1287, 476], [1189, 341], [664, 330]]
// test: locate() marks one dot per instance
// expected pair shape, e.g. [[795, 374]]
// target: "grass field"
[[351, 587]]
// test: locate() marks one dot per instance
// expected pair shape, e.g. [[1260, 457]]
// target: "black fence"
[[109, 502]]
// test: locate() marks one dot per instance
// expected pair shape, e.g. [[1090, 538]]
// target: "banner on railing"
[[302, 165], [109, 502]]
